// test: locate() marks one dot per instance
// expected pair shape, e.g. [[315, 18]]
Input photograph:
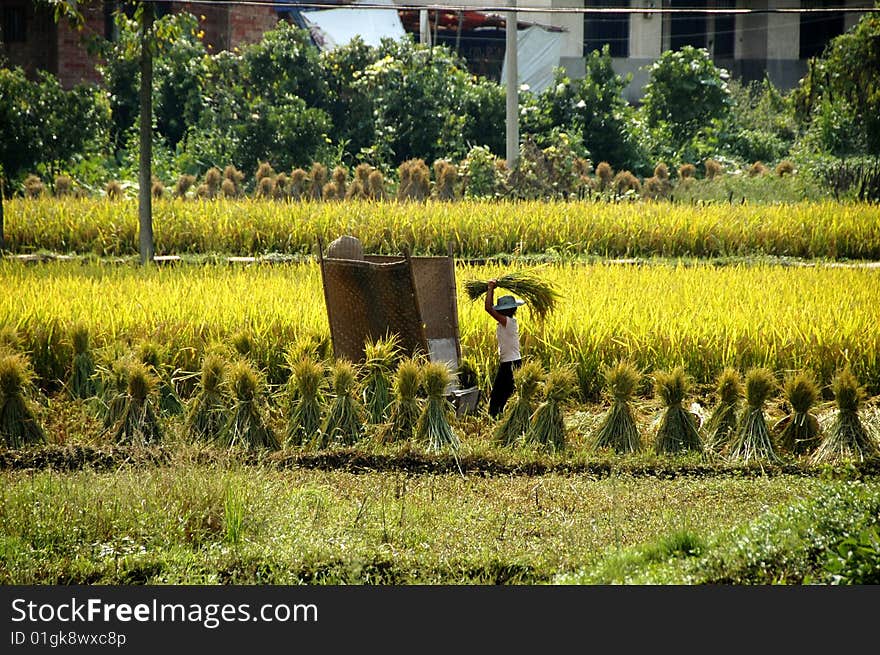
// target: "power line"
[[503, 9]]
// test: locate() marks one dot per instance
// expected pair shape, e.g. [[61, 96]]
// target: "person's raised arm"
[[489, 304]]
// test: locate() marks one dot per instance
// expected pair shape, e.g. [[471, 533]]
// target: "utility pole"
[[145, 164], [512, 122]]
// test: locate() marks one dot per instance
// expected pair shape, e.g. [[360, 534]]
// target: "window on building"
[[725, 31], [14, 25], [819, 28], [606, 27], [687, 28]]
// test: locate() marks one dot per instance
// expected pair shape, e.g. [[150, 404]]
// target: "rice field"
[[476, 228], [660, 315]]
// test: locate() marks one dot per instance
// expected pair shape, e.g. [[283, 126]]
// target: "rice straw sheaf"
[[346, 416], [82, 373], [618, 428], [547, 426], [527, 381], [677, 431], [380, 356], [247, 426], [208, 411], [723, 420], [307, 401], [405, 408], [752, 440], [799, 430], [138, 422], [540, 296], [433, 426], [150, 353], [18, 423], [114, 390], [847, 438]]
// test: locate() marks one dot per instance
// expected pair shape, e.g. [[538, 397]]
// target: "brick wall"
[[247, 24], [75, 64]]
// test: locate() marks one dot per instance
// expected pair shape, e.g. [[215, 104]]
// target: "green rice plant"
[[527, 381], [539, 294], [151, 353], [138, 421], [547, 426], [678, 430], [618, 428], [847, 438], [344, 423], [723, 420], [752, 440], [81, 383], [306, 391], [207, 413], [799, 430], [433, 427], [248, 426], [405, 409], [19, 425], [380, 356]]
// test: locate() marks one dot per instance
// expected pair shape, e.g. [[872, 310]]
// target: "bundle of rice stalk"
[[346, 417], [380, 356], [149, 353], [678, 430], [138, 421], [847, 438], [618, 428], [307, 399], [247, 426], [10, 343], [547, 426], [722, 422], [527, 381], [18, 423], [751, 440], [208, 411], [799, 431], [82, 373], [433, 426], [541, 296], [405, 408], [115, 390]]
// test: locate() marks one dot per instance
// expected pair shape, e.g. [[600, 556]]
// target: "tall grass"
[[701, 316], [478, 228]]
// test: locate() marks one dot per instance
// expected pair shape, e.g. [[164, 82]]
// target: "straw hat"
[[508, 302]]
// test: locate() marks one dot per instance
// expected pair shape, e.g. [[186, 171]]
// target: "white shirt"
[[508, 340]]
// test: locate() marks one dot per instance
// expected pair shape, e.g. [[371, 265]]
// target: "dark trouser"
[[502, 387]]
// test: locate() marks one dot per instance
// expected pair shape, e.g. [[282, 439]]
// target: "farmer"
[[507, 333]]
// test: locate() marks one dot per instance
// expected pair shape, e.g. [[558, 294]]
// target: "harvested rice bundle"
[[847, 438], [138, 421], [18, 423], [722, 423], [208, 411], [547, 426], [380, 357], [82, 374], [540, 295], [433, 426], [751, 440], [527, 381], [149, 353], [618, 429], [10, 343], [405, 408], [247, 424], [114, 390], [346, 417], [799, 431], [307, 399], [678, 430]]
